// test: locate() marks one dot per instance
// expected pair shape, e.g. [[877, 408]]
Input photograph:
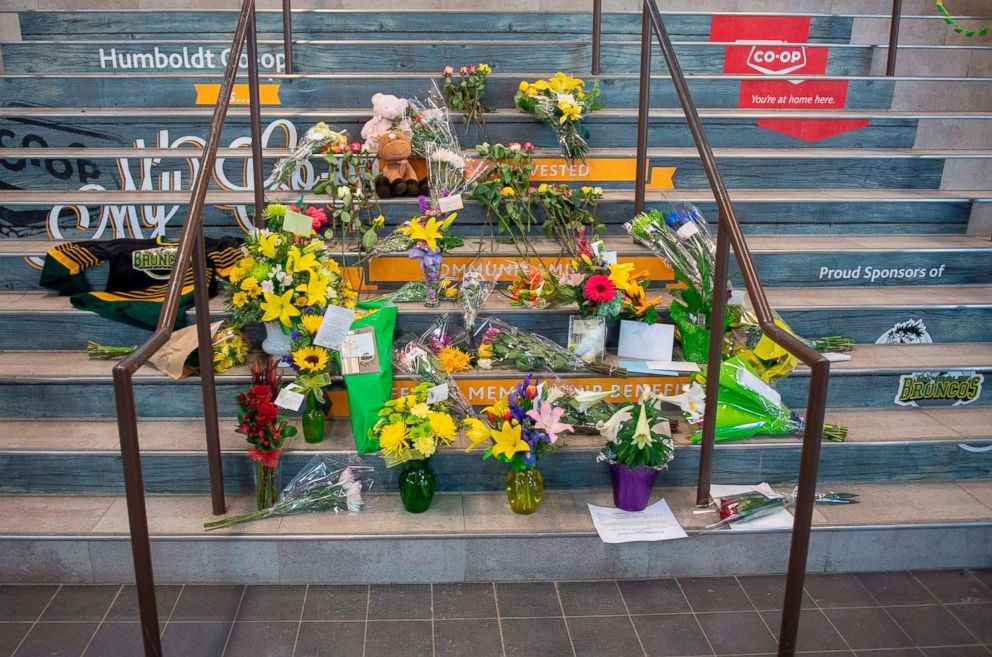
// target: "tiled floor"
[[900, 614]]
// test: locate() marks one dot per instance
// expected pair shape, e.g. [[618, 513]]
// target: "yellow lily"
[[279, 306], [429, 232], [315, 289], [299, 261], [507, 441], [477, 432], [267, 244], [569, 111], [620, 275]]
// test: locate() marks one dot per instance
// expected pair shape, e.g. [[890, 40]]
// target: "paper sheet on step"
[[655, 523]]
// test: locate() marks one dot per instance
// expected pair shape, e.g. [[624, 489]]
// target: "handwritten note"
[[334, 329]]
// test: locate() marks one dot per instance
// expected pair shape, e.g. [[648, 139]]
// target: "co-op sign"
[[777, 60], [185, 58]]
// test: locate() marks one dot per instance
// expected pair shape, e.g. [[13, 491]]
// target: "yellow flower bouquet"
[[562, 102], [410, 430]]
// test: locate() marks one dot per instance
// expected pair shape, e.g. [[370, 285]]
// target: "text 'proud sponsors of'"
[[182, 59], [875, 274]]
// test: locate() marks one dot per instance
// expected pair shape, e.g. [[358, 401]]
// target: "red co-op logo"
[[777, 60]]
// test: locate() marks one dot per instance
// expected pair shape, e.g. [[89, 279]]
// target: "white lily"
[[611, 427], [554, 394], [692, 402], [642, 433], [587, 398]]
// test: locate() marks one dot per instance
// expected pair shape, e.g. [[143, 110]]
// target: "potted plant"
[[638, 446]]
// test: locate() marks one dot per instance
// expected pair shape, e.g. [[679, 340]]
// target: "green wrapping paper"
[[367, 393], [747, 406]]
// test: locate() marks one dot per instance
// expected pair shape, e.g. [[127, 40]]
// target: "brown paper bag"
[[171, 358]]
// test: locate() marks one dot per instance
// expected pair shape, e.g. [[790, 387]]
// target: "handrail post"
[[255, 113], [803, 514], [597, 30], [287, 33], [137, 517], [890, 64], [201, 300], [714, 358], [643, 109]]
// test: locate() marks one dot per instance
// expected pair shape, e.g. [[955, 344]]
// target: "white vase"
[[276, 342]]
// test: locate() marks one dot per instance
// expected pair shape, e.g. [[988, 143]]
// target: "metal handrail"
[[890, 64], [729, 234], [191, 248]]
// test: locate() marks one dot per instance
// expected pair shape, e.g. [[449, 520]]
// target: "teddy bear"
[[397, 176], [385, 109]]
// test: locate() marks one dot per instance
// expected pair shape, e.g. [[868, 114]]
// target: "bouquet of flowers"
[[505, 191], [583, 409], [638, 435], [411, 428], [322, 485], [568, 213], [473, 293], [754, 504], [426, 238], [521, 427], [562, 103], [682, 238], [351, 185], [465, 94], [746, 407], [512, 348], [317, 139], [537, 287], [609, 290], [411, 356], [264, 427]]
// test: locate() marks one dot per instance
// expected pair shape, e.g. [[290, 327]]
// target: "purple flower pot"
[[632, 486]]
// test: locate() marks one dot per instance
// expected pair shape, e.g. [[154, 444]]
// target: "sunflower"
[[454, 360], [312, 323], [310, 358], [442, 425]]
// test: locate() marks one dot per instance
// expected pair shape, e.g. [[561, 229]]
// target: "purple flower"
[[295, 335], [428, 259], [310, 309], [422, 202]]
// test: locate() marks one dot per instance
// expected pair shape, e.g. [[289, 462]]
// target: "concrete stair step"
[[84, 539], [820, 261], [949, 314], [726, 128], [950, 93], [62, 456], [742, 168], [60, 384]]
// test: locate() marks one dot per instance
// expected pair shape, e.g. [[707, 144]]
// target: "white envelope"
[[642, 341]]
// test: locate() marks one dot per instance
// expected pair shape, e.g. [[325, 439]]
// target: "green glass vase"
[[524, 489], [416, 486], [313, 418]]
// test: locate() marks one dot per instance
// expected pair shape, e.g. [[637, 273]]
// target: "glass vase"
[[524, 489], [313, 418], [432, 279], [267, 485], [416, 486]]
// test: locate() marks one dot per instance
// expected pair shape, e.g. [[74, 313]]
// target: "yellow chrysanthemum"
[[312, 323], [485, 351], [454, 360], [310, 358], [240, 299], [240, 268], [392, 438], [426, 445], [442, 425], [420, 410], [250, 286]]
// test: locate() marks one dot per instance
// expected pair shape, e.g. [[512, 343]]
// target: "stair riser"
[[757, 218], [389, 56], [778, 269], [72, 330], [307, 93], [738, 172], [183, 473], [95, 398], [605, 132], [330, 560], [378, 25]]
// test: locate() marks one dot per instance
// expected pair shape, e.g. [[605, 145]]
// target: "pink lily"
[[547, 419]]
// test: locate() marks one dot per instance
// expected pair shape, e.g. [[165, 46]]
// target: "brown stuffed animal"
[[396, 175]]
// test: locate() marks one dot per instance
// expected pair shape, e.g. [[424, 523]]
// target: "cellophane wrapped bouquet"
[[562, 103], [412, 356]]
